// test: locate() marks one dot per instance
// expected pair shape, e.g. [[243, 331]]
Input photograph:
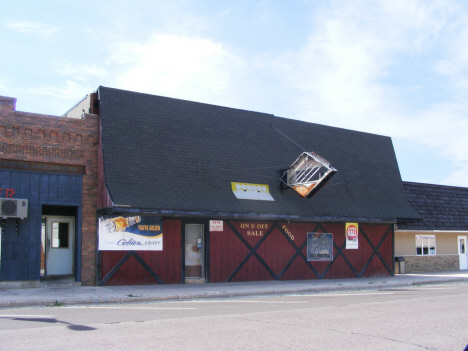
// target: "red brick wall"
[[45, 139]]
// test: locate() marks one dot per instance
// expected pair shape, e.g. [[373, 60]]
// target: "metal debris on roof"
[[309, 173]]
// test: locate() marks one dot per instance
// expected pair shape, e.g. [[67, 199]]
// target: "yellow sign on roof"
[[248, 191]]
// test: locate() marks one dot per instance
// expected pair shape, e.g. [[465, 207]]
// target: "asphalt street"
[[421, 317]]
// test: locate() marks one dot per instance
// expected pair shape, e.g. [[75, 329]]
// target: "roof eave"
[[254, 216]]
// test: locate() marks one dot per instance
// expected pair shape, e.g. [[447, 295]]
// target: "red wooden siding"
[[166, 264], [255, 251], [234, 256]]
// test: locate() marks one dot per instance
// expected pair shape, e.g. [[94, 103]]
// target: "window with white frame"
[[425, 245]]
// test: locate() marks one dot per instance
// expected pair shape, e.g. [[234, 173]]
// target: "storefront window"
[[60, 235], [425, 245]]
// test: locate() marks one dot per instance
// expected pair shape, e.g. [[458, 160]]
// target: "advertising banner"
[[130, 233], [352, 230], [319, 247]]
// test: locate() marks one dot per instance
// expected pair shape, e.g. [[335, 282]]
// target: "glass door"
[[194, 250], [58, 245], [462, 252]]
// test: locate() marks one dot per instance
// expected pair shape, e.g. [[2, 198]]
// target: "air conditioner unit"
[[13, 208]]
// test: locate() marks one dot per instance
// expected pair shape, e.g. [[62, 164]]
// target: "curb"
[[442, 281], [57, 302]]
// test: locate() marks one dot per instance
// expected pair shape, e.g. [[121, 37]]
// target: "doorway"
[[462, 252], [194, 251], [57, 245]]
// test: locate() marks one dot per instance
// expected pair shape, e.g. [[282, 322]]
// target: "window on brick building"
[[425, 245]]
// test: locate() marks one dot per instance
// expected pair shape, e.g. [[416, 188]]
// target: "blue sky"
[[396, 68]]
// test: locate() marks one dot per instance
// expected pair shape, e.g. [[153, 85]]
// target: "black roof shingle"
[[441, 207], [176, 156]]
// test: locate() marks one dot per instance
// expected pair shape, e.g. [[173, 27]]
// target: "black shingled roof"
[[178, 157], [442, 207]]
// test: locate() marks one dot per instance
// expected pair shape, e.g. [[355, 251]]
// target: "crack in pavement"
[[336, 331]]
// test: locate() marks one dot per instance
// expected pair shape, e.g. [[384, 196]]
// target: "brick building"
[[130, 188], [51, 162]]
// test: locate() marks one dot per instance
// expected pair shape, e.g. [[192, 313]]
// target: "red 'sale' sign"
[[351, 232]]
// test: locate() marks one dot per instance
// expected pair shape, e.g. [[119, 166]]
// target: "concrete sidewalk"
[[58, 296]]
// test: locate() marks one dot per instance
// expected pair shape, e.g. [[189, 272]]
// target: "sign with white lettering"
[[319, 247], [352, 230], [130, 233], [216, 226]]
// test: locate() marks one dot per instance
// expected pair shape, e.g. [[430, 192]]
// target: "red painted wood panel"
[[376, 234], [166, 264], [227, 252]]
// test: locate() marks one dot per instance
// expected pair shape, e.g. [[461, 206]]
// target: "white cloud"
[[396, 68], [79, 72], [458, 177], [40, 30], [344, 75], [454, 63], [175, 66], [343, 67], [356, 71], [72, 91]]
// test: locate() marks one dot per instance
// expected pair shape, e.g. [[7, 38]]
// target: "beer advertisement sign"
[[319, 247], [130, 233], [352, 230]]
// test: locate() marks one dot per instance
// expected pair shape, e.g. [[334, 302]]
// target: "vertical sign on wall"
[[351, 232]]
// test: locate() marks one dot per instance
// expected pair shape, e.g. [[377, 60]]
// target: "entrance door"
[[462, 252], [194, 251], [59, 245]]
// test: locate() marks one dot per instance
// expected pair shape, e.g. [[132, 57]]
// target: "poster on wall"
[[319, 247], [352, 230], [130, 233], [216, 226]]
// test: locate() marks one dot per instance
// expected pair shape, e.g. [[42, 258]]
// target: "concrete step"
[[65, 281], [58, 284]]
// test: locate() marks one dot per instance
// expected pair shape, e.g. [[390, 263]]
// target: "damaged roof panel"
[[308, 173]]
